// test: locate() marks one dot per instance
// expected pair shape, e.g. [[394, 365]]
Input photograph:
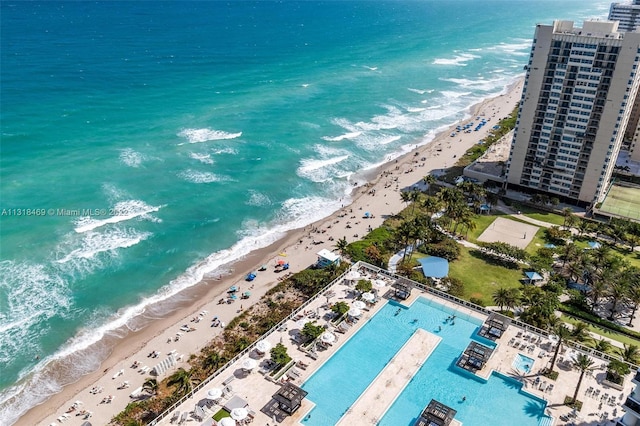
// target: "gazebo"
[[533, 277], [289, 397], [401, 290], [474, 357], [494, 327], [436, 414]]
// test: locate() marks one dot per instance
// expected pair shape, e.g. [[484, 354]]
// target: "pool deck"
[[600, 402], [385, 388]]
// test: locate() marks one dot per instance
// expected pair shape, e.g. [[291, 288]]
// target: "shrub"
[[447, 249], [478, 302]]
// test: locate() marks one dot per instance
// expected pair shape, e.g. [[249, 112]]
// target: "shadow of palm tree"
[[535, 409]]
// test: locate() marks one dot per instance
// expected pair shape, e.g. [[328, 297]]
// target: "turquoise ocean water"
[[155, 142]]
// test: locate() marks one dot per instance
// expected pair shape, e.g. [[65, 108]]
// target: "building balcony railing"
[[633, 405]]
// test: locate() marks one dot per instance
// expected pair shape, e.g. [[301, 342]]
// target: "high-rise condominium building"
[[579, 88], [627, 15]]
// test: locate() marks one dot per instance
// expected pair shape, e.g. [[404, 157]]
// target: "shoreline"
[[386, 180]]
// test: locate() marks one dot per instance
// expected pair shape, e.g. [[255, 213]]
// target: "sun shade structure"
[[436, 414], [533, 276], [494, 326], [474, 357], [290, 397], [402, 291], [434, 267]]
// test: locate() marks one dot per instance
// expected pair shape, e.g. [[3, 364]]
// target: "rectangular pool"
[[340, 381]]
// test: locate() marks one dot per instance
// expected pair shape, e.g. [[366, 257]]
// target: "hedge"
[[594, 319]]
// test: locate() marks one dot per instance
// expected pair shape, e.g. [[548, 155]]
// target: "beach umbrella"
[[354, 312], [368, 296], [359, 304], [263, 346], [281, 262], [328, 337], [239, 413], [249, 364], [246, 294], [233, 288], [233, 296], [227, 421], [214, 393]]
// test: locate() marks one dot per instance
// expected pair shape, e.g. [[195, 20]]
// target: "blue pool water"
[[523, 363], [341, 380]]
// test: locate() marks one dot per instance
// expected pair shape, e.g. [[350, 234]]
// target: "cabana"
[[494, 327], [434, 267], [474, 357], [289, 397], [401, 290], [533, 277], [326, 258], [436, 414]]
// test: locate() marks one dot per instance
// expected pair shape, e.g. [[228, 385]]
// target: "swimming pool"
[[340, 381], [522, 363]]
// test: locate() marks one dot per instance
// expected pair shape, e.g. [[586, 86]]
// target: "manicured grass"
[[482, 222], [542, 215], [537, 242], [482, 279], [602, 331]]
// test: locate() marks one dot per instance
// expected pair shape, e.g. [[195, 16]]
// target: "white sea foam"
[[94, 243], [370, 68], [131, 158], [206, 134], [414, 109], [418, 91], [203, 158], [520, 47], [195, 176], [257, 199], [486, 85], [350, 135], [124, 210], [451, 94], [230, 151], [458, 60]]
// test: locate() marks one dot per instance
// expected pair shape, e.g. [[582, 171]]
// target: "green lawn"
[[482, 279], [544, 216], [537, 242], [605, 332]]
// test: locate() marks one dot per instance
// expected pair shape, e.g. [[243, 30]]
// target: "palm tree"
[[617, 290], [566, 213], [341, 245], [633, 297], [501, 297], [404, 232], [580, 332], [601, 345], [562, 333], [630, 353], [213, 361], [182, 380], [429, 180], [150, 385], [583, 363]]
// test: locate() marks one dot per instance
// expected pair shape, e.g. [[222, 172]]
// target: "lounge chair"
[[175, 417]]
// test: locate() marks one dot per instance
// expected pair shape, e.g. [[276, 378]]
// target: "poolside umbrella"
[[214, 393], [300, 323], [368, 296], [352, 275], [249, 364], [227, 421], [328, 337], [263, 346], [239, 413], [379, 283], [359, 304], [354, 312]]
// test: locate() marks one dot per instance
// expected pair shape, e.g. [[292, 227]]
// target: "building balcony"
[[636, 378], [632, 404]]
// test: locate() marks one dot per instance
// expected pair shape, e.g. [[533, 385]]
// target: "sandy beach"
[[117, 379]]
